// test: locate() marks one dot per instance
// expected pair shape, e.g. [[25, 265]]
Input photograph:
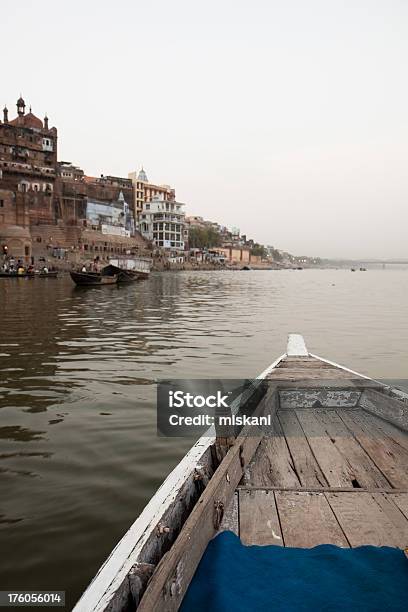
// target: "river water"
[[79, 455]]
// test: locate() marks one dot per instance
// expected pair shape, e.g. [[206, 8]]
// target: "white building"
[[111, 217], [163, 222]]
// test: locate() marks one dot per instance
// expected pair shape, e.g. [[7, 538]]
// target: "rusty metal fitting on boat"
[[162, 529]]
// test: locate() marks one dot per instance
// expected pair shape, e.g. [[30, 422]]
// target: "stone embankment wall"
[[161, 265]]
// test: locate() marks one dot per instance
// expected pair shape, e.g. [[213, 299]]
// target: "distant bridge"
[[385, 261], [376, 262]]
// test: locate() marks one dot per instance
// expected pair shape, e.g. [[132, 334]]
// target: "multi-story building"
[[111, 218], [44, 203], [145, 191], [163, 223], [28, 161]]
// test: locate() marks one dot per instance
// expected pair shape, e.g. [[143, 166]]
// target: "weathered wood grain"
[[401, 501], [258, 518], [322, 489], [318, 397], [230, 520], [304, 364], [365, 473], [175, 570], [304, 374], [139, 576], [307, 520], [386, 428], [386, 407], [336, 469], [306, 467], [395, 515], [272, 463], [364, 521], [387, 453]]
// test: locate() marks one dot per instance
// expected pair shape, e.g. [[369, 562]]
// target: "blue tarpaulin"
[[232, 577]]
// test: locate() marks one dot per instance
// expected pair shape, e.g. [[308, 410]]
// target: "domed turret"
[[32, 121], [20, 106], [142, 176]]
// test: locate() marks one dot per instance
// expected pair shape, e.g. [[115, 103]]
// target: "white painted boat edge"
[[296, 346], [114, 570], [397, 392], [116, 567]]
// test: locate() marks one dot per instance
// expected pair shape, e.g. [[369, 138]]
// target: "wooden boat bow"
[[335, 471]]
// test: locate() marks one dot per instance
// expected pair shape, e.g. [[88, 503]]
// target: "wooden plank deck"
[[308, 518], [332, 474], [336, 471]]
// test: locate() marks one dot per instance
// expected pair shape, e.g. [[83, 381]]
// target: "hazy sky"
[[287, 119]]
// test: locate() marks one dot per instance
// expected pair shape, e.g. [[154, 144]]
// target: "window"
[[1, 203]]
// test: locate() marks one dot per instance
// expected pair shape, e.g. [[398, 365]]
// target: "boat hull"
[[15, 275], [326, 413], [94, 279]]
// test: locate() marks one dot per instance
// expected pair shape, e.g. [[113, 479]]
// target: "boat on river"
[[48, 274], [15, 274], [30, 274], [131, 268], [119, 270], [94, 279], [334, 472]]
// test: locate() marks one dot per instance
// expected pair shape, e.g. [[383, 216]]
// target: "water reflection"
[[79, 456]]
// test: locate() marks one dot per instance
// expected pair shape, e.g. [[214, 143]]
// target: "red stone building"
[[28, 161], [44, 203]]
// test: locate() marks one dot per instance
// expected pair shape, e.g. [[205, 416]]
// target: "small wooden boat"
[[130, 269], [94, 279], [15, 275], [49, 274], [335, 472]]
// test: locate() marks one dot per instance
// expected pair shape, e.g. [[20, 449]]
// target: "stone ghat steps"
[[53, 235], [71, 237]]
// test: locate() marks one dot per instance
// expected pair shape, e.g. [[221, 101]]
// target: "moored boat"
[[130, 269], [333, 472], [15, 274], [95, 279]]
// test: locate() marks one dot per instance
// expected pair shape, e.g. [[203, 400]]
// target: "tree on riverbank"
[[203, 237], [275, 254], [258, 250]]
